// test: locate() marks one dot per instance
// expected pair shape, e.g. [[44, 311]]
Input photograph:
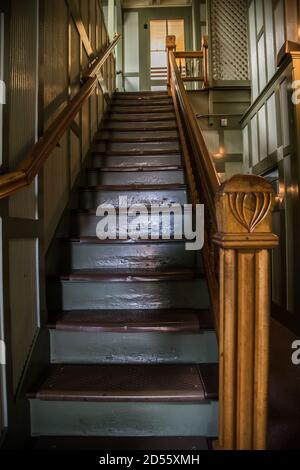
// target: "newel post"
[[170, 47], [244, 216]]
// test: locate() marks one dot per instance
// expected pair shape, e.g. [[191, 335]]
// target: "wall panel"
[[24, 301], [56, 88], [23, 97]]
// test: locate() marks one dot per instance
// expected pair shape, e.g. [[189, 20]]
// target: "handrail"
[[238, 238], [98, 63], [36, 157], [205, 165]]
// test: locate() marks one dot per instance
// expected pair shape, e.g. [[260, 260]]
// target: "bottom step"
[[122, 401], [120, 443]]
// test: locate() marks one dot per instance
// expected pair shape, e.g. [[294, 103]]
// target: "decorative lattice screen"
[[229, 39]]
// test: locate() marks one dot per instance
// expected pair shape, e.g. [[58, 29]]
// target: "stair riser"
[[85, 225], [133, 348], [153, 135], [142, 104], [123, 419], [150, 126], [145, 117], [139, 256], [166, 108], [106, 295], [135, 161], [141, 94], [90, 199], [122, 147], [95, 178]]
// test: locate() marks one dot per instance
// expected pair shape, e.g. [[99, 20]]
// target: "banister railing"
[[192, 65], [236, 257], [39, 153]]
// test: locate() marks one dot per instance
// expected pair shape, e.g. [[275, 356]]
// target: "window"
[[159, 30]]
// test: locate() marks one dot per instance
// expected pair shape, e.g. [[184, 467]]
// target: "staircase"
[[133, 348]]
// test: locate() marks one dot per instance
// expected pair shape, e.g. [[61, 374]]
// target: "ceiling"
[[155, 3]]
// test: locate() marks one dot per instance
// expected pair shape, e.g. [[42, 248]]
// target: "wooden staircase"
[[133, 348]]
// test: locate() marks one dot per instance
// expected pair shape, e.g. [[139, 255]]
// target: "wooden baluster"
[[205, 60], [171, 47], [244, 213]]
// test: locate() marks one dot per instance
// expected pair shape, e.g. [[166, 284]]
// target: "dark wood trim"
[[132, 321]]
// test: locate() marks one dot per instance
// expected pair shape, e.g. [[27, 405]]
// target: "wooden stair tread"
[[159, 117], [128, 383], [135, 187], [141, 93], [145, 139], [138, 153], [142, 128], [125, 275], [131, 321], [139, 101], [136, 169], [128, 241], [119, 443], [146, 110]]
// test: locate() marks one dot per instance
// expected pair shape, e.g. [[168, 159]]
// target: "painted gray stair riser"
[[50, 418], [130, 256], [133, 348], [136, 146], [95, 178], [107, 295], [135, 161], [92, 198], [85, 225]]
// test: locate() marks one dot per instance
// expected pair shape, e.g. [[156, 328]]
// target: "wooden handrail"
[[203, 159], [189, 55], [38, 154], [238, 238], [98, 63]]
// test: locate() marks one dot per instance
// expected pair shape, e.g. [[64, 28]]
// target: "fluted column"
[[244, 214]]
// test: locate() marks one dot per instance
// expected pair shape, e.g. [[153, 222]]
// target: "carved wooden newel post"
[[171, 47], [244, 214]]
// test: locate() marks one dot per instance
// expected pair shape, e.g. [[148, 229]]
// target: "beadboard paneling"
[[24, 301]]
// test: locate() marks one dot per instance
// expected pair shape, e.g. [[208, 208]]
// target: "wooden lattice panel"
[[229, 40]]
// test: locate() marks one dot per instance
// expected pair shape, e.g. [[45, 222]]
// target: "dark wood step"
[[154, 117], [138, 153], [142, 96], [142, 103], [128, 383], [135, 139], [146, 110], [136, 187], [133, 321], [129, 241], [120, 443], [142, 127], [129, 276], [139, 169]]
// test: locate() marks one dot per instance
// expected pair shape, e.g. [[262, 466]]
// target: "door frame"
[[145, 16]]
